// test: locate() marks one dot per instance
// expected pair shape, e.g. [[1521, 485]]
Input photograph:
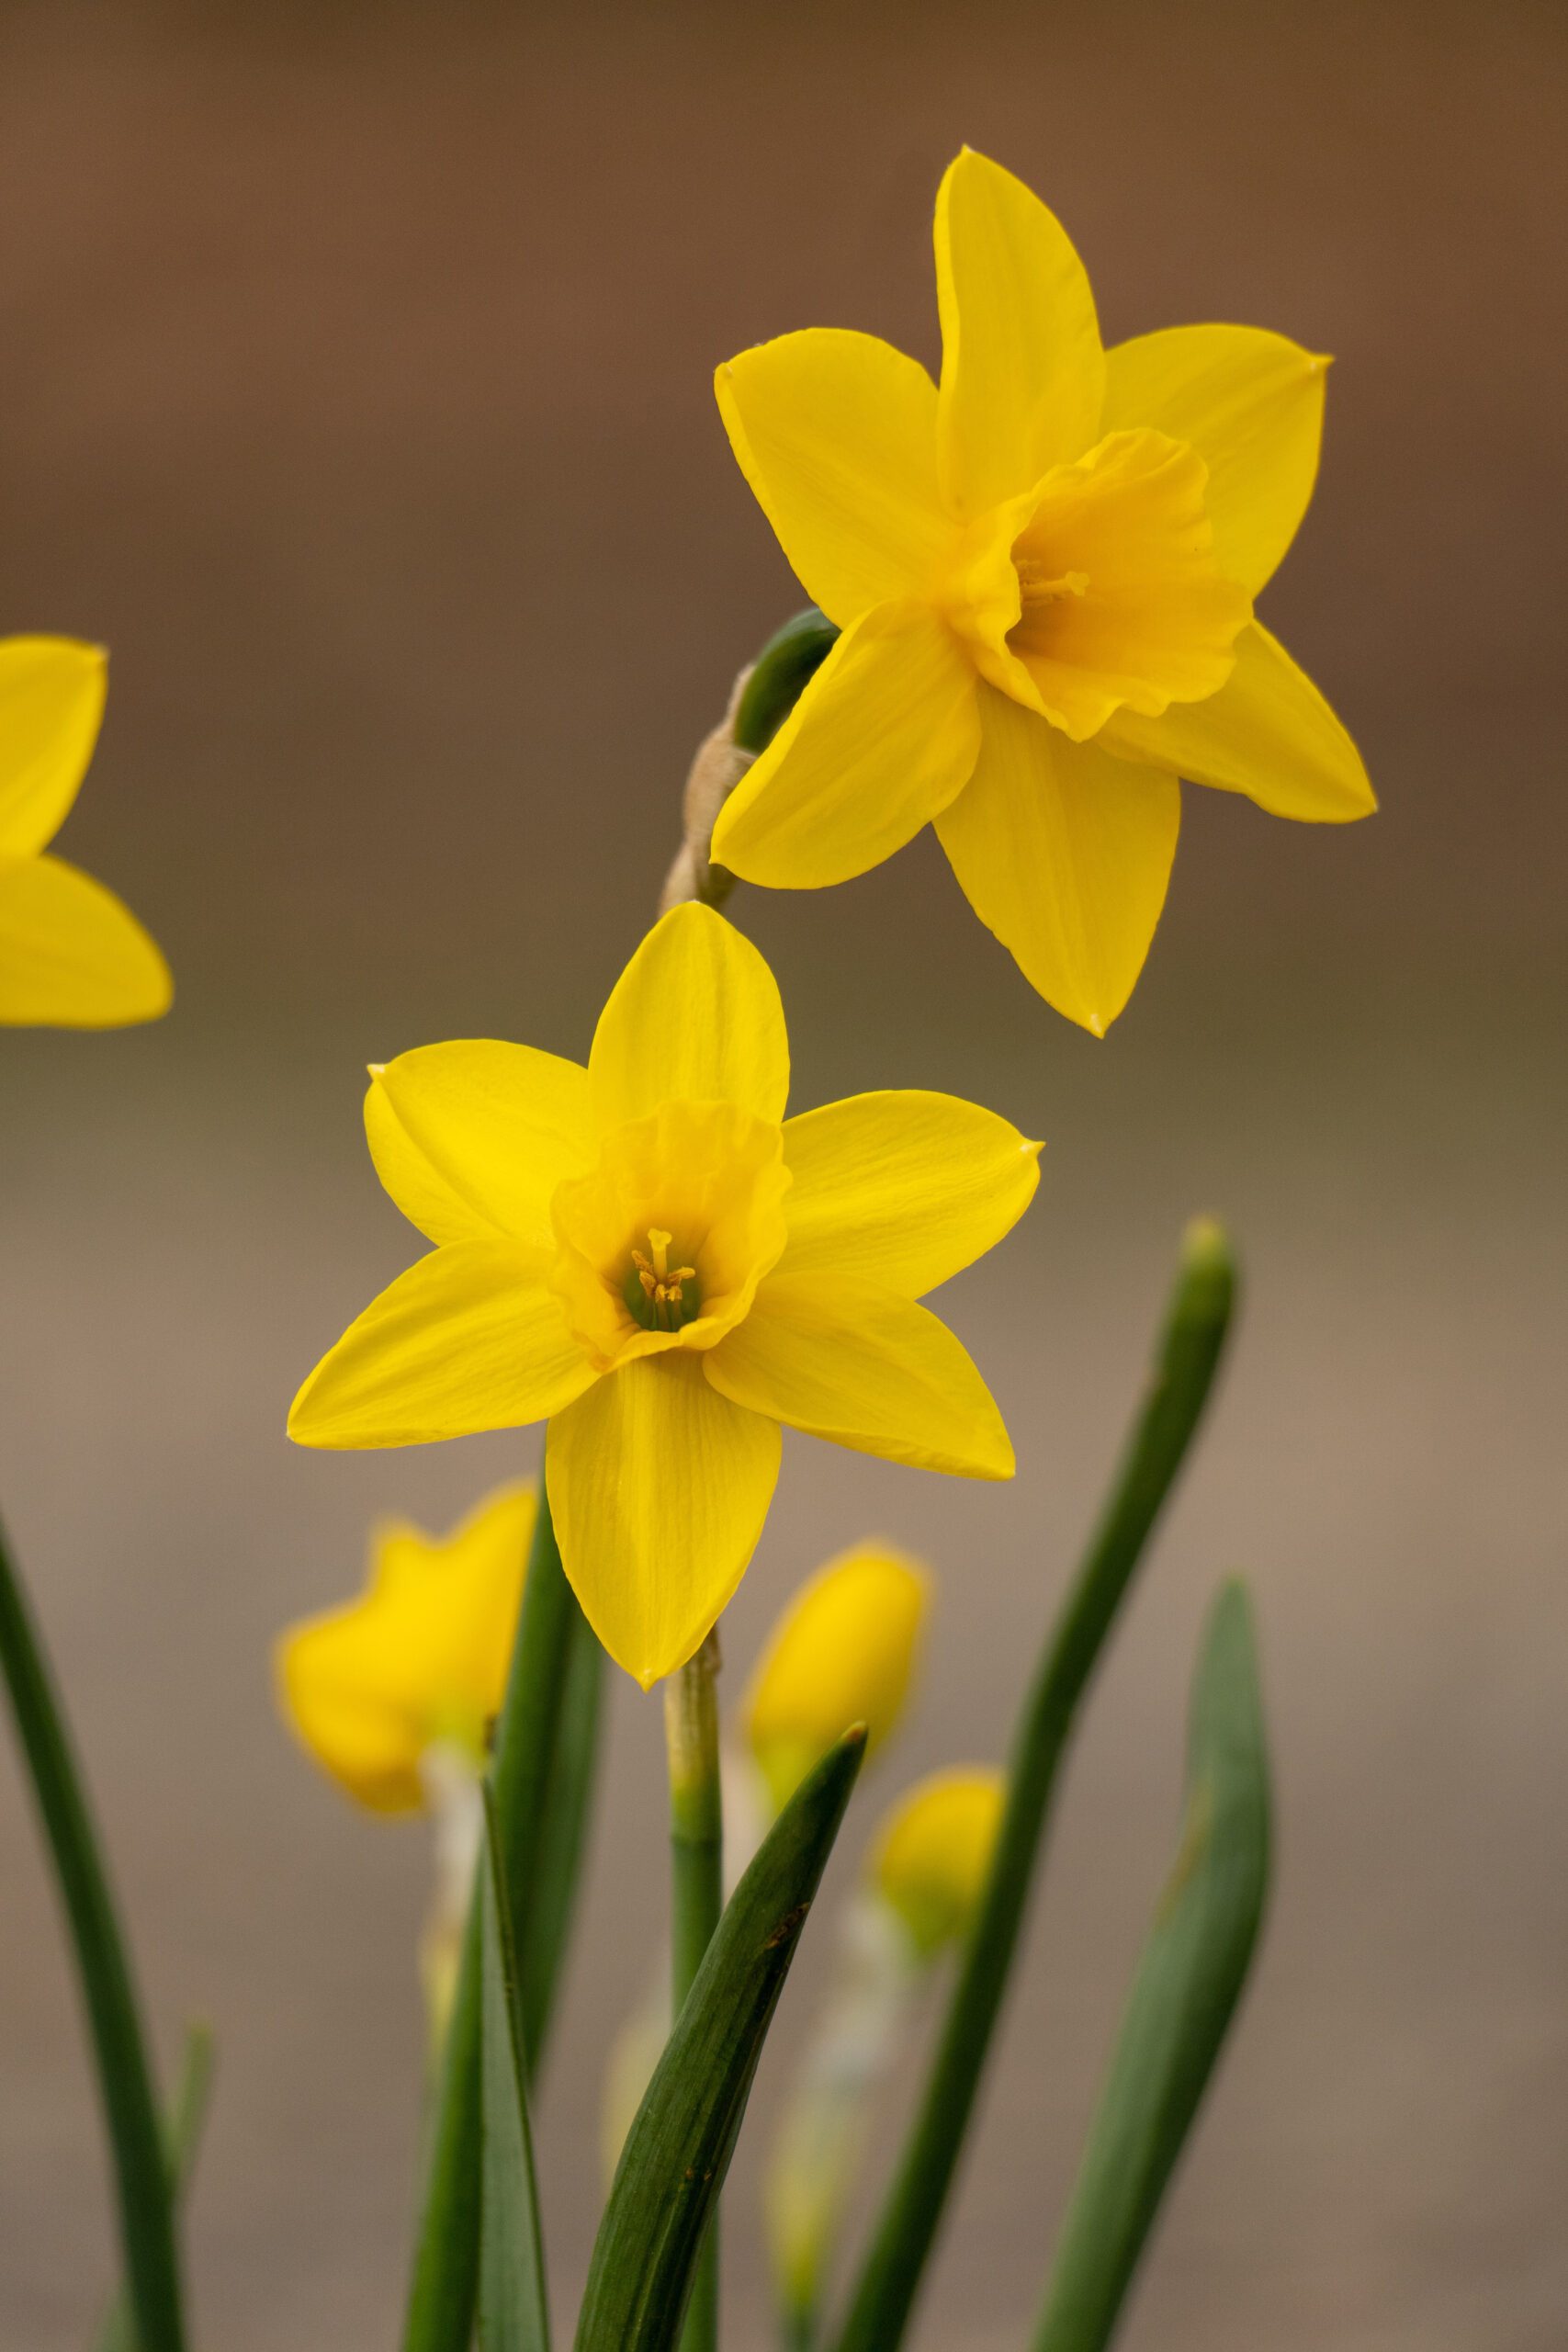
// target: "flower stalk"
[[696, 1885]]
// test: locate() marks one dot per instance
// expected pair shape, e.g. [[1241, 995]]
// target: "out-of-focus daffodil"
[[1044, 570], [930, 1860], [843, 1652], [394, 1694], [71, 955], [649, 1256], [928, 1865], [415, 1667]]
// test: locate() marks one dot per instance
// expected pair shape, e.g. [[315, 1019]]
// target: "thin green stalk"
[[1185, 1364], [443, 2292], [125, 2079], [545, 1929], [696, 1868], [183, 2122]]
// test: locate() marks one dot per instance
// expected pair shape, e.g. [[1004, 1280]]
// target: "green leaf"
[[679, 2147], [182, 2126], [513, 2312], [1186, 1360], [125, 2078], [780, 674], [1183, 1996], [443, 2290], [545, 1924]]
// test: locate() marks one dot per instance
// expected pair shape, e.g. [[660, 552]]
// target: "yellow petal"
[[1064, 852], [1023, 371], [836, 433], [846, 1360], [1267, 733], [71, 955], [1252, 405], [695, 1017], [469, 1338], [417, 1660], [933, 1853], [903, 1188], [51, 705], [659, 1489], [884, 735], [471, 1139], [843, 1652]]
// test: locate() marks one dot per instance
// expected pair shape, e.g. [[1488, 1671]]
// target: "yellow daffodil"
[[648, 1254], [843, 1652], [412, 1671], [1044, 570], [71, 955], [931, 1858]]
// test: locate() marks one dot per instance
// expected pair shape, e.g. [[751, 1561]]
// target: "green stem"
[[1183, 1374], [125, 2081], [445, 2288], [696, 1866]]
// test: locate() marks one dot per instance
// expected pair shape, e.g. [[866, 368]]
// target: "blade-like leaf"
[[679, 2147], [513, 2314], [125, 2078], [1183, 1996], [1185, 1363], [183, 2121], [545, 1926], [443, 2290]]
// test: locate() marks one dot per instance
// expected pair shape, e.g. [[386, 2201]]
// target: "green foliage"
[[1185, 1363], [681, 2142], [1183, 1996], [513, 2311]]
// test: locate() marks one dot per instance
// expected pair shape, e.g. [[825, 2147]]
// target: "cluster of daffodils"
[[1035, 584]]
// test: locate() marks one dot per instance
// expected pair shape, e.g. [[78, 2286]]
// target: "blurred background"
[[354, 391]]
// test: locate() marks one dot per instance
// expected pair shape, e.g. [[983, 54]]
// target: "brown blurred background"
[[355, 389]]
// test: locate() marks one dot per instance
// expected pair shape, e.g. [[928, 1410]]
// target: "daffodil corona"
[[648, 1254], [71, 955], [1044, 570]]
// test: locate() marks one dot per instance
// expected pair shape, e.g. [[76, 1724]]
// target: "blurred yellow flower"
[[71, 955], [413, 1669], [1044, 573], [649, 1256], [843, 1652], [934, 1850]]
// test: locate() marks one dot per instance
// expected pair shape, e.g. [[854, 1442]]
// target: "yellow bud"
[[929, 1862], [843, 1652]]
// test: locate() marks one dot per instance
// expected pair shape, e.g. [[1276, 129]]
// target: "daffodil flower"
[[71, 955], [1044, 570], [415, 1667], [933, 1853], [649, 1256], [843, 1652]]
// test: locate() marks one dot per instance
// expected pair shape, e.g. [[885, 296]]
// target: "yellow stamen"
[[661, 1285]]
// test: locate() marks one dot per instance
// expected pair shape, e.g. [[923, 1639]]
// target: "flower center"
[[661, 1296], [711, 1173], [1098, 589]]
